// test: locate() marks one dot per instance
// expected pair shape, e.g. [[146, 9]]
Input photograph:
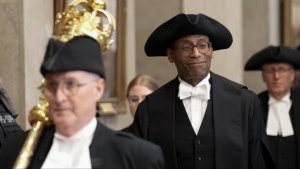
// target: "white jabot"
[[71, 152], [195, 100], [279, 121]]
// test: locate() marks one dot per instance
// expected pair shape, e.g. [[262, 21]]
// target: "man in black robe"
[[280, 101], [8, 124], [75, 81], [200, 119]]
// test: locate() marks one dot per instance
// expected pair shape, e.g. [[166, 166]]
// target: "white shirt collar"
[[285, 98], [85, 132], [71, 152]]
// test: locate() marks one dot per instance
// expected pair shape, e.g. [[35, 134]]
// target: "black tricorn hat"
[[274, 54], [79, 53], [183, 25]]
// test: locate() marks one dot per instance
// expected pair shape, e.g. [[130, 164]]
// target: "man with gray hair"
[[280, 101]]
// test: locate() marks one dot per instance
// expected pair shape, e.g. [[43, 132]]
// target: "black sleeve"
[[8, 126], [11, 148], [153, 158], [259, 149]]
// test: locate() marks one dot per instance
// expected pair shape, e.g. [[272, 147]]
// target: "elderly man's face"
[[279, 78], [192, 66], [72, 98]]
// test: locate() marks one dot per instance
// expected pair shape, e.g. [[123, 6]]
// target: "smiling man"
[[200, 119], [280, 101]]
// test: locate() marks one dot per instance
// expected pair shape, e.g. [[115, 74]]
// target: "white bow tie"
[[186, 91]]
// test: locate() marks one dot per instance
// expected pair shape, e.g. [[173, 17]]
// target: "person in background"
[[137, 90], [8, 115], [200, 119], [280, 101]]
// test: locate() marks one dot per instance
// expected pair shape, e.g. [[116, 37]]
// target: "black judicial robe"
[[239, 130], [109, 150], [289, 146], [127, 129]]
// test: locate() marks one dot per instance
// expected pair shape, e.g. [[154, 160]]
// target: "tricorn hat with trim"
[[274, 54], [183, 25], [79, 53]]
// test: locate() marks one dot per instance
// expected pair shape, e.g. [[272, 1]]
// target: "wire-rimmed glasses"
[[280, 70], [69, 87], [187, 49]]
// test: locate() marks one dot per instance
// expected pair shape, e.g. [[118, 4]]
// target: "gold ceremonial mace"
[[38, 119]]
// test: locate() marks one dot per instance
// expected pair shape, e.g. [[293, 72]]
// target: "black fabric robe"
[[294, 112], [8, 124], [109, 149], [128, 129], [240, 137]]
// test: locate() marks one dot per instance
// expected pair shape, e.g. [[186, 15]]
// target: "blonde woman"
[[137, 90]]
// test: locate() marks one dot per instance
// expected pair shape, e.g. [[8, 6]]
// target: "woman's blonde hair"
[[144, 80]]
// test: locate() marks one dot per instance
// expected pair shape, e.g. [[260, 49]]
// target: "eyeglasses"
[[187, 49], [69, 87], [280, 70]]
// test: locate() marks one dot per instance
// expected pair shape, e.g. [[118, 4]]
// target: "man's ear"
[[169, 52], [212, 53], [100, 86], [292, 75]]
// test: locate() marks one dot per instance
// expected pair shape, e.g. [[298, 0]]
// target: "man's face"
[[278, 78], [72, 98], [193, 66]]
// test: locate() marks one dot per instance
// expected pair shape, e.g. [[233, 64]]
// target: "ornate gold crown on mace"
[[87, 21], [72, 22]]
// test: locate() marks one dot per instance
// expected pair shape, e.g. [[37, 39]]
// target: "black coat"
[[8, 124], [240, 137], [109, 149], [128, 129], [294, 112]]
